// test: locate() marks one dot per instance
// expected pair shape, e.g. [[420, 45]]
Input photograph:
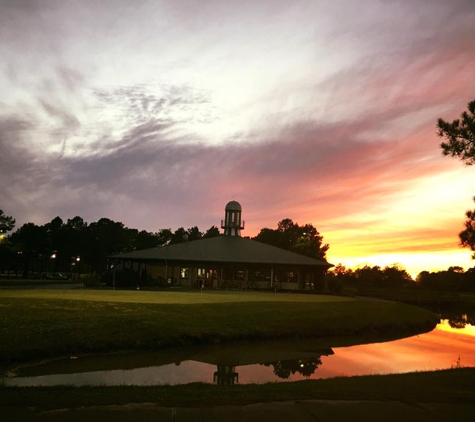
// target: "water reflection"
[[458, 320], [285, 368], [226, 375], [452, 343]]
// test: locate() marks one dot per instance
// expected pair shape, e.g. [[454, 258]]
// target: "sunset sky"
[[157, 113]]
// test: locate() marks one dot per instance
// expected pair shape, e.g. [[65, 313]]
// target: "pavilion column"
[[271, 276], [299, 279], [193, 276], [325, 281]]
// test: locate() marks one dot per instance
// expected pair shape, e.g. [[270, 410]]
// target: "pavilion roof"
[[223, 249]]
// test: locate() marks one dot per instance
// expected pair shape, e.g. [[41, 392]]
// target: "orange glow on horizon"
[[412, 263], [468, 330], [414, 223]]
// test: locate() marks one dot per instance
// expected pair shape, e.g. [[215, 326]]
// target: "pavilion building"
[[226, 261]]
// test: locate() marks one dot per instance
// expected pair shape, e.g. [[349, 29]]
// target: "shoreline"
[[443, 386], [51, 323]]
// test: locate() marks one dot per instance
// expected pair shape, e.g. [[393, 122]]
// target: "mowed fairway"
[[37, 324], [170, 297]]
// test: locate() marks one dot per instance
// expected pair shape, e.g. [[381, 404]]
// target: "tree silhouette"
[[305, 240], [460, 135], [194, 233], [6, 222], [32, 241], [107, 237], [305, 366], [145, 240], [213, 231], [164, 236], [467, 236]]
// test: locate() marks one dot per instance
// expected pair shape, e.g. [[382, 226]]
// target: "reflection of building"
[[227, 261], [226, 375]]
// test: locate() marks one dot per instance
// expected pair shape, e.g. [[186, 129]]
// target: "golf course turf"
[[42, 324], [39, 324]]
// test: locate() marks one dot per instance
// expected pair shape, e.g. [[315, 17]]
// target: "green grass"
[[35, 283], [170, 297], [448, 386], [38, 324]]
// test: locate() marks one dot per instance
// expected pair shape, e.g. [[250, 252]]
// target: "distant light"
[[78, 258], [53, 256]]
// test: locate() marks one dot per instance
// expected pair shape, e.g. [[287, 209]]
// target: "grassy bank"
[[37, 324], [448, 386], [36, 283]]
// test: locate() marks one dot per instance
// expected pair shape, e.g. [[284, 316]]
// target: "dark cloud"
[[22, 172], [148, 166]]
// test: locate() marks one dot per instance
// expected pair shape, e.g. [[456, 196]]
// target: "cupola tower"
[[232, 223]]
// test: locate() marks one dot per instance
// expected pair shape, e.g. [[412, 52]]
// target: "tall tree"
[[460, 135], [57, 243], [194, 233], [6, 222], [77, 239], [180, 235], [31, 241], [213, 231], [305, 240], [145, 240], [108, 237], [7, 254], [467, 236], [164, 236]]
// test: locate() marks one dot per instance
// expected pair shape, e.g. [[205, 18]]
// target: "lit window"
[[184, 272]]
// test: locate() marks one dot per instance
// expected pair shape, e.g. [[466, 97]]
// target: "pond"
[[450, 344]]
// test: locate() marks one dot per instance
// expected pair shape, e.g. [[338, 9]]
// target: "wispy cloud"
[[158, 114]]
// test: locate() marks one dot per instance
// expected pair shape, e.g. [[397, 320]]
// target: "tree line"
[[74, 246], [59, 246], [395, 277]]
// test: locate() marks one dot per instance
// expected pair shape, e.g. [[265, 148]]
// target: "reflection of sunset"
[[468, 330], [439, 349], [443, 348]]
